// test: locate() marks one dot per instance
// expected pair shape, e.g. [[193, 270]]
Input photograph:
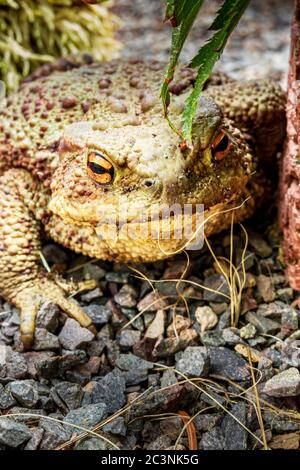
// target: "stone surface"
[[99, 314], [24, 392], [206, 318], [194, 362], [235, 436], [87, 416], [73, 336], [44, 340], [110, 390], [218, 283], [284, 384], [226, 363], [262, 324], [13, 434]]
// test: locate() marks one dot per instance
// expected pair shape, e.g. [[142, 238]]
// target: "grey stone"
[[16, 366], [130, 361], [99, 314], [6, 399], [110, 390], [194, 362], [93, 271], [162, 442], [235, 436], [24, 391], [118, 277], [212, 440], [135, 376], [67, 395], [73, 336], [279, 424], [13, 434], [212, 338], [91, 295], [230, 336], [218, 283], [127, 337], [48, 316], [34, 442], [95, 347], [44, 340], [87, 416], [117, 426], [262, 324], [126, 297], [55, 434], [206, 422], [289, 320], [284, 384], [226, 363], [93, 443]]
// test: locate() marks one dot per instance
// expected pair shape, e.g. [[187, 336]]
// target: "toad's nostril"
[[149, 183]]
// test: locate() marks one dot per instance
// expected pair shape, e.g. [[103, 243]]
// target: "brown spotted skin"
[[50, 127]]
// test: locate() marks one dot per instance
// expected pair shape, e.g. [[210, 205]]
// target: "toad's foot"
[[30, 299], [23, 282]]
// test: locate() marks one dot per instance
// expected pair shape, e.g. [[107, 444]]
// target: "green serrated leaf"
[[226, 20]]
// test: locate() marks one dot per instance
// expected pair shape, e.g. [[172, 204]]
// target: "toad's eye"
[[221, 146], [99, 168]]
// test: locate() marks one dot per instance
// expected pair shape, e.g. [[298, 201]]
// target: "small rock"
[[151, 302], [110, 390], [160, 443], [157, 327], [285, 441], [55, 434], [87, 416], [127, 337], [206, 317], [67, 395], [265, 288], [95, 347], [91, 295], [171, 427], [15, 364], [226, 363], [92, 443], [289, 321], [248, 331], [24, 391], [44, 340], [212, 440], [216, 282], [48, 316], [73, 336], [230, 336], [260, 245], [117, 426], [118, 277], [284, 384], [206, 422], [6, 399], [212, 338], [130, 361], [126, 297], [178, 325], [93, 271], [13, 434], [99, 314], [263, 324], [34, 442], [235, 436], [279, 424], [193, 362], [286, 294]]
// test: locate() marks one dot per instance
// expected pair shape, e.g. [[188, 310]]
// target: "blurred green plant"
[[182, 14], [34, 32]]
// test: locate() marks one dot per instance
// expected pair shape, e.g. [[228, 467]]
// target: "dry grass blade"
[[190, 429], [258, 408]]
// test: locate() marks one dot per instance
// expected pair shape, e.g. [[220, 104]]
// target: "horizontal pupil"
[[98, 169], [222, 145]]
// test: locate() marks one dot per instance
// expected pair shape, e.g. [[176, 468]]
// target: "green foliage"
[[182, 14]]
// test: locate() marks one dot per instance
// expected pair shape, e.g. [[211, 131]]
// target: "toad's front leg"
[[23, 282]]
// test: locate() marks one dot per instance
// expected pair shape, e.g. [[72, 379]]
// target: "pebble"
[[67, 395], [13, 434], [127, 296], [110, 390], [48, 316], [230, 336], [24, 392], [117, 426], [99, 314], [151, 302], [218, 283], [212, 440], [206, 318], [262, 324], [193, 362], [6, 399], [157, 327], [235, 435], [73, 336], [127, 337], [226, 363], [265, 288], [55, 434], [87, 416], [44, 340], [130, 361], [248, 331], [284, 384], [91, 295]]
